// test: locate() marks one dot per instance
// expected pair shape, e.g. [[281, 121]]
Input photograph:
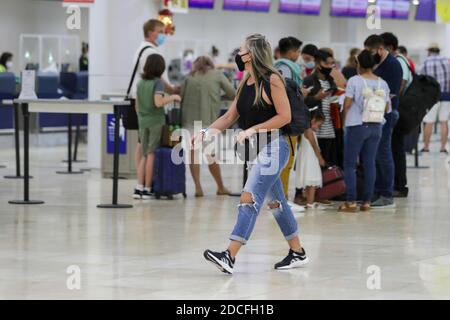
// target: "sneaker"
[[221, 260], [444, 151], [137, 194], [146, 195], [400, 194], [383, 203], [314, 206], [295, 207], [292, 260], [423, 150]]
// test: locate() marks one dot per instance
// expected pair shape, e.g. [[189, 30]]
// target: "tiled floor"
[[154, 251]]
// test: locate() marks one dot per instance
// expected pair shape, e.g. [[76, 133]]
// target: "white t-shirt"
[[149, 51]]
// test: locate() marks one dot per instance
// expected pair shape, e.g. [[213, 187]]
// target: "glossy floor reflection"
[[154, 251]]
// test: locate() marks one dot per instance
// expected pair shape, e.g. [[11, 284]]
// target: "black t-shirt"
[[251, 114]]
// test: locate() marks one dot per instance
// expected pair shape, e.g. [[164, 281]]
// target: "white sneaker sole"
[[219, 264], [296, 208], [297, 264], [136, 197]]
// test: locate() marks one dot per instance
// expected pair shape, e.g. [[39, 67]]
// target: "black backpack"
[[421, 95], [299, 111]]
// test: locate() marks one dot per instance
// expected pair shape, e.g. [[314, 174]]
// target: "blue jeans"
[[384, 184], [264, 179], [361, 141]]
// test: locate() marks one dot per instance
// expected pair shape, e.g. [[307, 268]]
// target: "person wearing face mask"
[[154, 37], [6, 63], [322, 87], [262, 108], [389, 69], [288, 67], [308, 56]]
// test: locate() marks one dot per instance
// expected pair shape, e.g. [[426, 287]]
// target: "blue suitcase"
[[169, 178]]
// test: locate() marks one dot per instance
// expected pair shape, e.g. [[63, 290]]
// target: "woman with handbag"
[[202, 99]]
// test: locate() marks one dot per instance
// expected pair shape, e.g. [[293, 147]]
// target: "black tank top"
[[249, 113]]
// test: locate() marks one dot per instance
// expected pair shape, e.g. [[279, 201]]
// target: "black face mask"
[[240, 64], [325, 71], [377, 58]]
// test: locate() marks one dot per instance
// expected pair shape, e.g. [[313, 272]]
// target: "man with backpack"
[[398, 137], [438, 67], [287, 65]]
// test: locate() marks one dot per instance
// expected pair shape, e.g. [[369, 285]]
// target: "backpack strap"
[[130, 85], [365, 83], [266, 85]]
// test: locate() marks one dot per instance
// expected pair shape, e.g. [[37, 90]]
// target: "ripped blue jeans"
[[264, 180]]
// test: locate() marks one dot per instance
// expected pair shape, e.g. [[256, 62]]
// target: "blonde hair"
[[351, 60], [202, 65], [262, 64]]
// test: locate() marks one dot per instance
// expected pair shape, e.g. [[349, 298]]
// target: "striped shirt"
[[326, 130], [439, 68]]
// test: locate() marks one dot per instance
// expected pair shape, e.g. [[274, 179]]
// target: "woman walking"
[[258, 115], [202, 99]]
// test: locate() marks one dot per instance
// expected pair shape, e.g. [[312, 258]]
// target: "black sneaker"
[[221, 260], [146, 195], [293, 260], [444, 151], [400, 193], [137, 194]]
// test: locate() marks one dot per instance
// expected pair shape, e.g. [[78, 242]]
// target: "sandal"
[[223, 192], [198, 194], [365, 207], [348, 207]]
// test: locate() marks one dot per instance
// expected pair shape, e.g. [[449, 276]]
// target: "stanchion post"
[[115, 190], [16, 143], [26, 159]]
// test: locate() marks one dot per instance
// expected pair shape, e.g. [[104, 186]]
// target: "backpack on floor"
[[374, 103], [421, 95]]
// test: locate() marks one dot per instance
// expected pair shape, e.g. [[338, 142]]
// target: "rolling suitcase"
[[333, 184], [169, 178]]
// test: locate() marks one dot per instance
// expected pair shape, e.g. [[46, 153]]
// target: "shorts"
[[150, 138], [440, 112]]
